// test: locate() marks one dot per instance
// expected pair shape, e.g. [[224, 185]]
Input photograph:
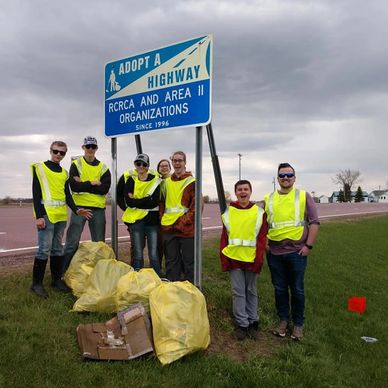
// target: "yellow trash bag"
[[83, 263], [179, 320], [100, 295], [135, 287]]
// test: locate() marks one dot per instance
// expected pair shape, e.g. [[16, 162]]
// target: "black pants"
[[179, 254]]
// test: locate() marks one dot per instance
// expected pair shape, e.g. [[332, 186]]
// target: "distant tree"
[[347, 178], [341, 196], [206, 199], [228, 196], [347, 193], [359, 196]]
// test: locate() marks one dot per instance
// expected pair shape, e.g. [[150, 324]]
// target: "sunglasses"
[[91, 146], [56, 152], [287, 174], [177, 160], [141, 164]]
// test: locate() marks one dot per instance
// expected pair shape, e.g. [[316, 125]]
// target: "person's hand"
[[95, 183], [130, 195], [304, 251], [77, 178], [40, 223], [87, 213]]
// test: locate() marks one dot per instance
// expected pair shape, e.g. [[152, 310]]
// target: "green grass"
[[39, 346]]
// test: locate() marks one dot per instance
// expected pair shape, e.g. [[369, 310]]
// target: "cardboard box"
[[124, 337]]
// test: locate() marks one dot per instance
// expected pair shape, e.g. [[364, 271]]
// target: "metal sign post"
[[114, 241], [198, 210]]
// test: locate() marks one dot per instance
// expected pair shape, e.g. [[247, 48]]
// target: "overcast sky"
[[298, 81]]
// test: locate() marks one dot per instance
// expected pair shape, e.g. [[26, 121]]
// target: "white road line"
[[107, 239], [3, 232]]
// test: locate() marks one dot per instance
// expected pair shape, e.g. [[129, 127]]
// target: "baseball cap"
[[143, 158], [90, 140]]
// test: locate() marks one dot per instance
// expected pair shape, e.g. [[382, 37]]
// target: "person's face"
[[286, 178], [90, 150], [243, 193], [179, 164], [141, 167], [57, 153], [164, 169]]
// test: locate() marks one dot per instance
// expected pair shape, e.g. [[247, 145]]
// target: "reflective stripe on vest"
[[141, 190], [242, 226], [53, 191], [286, 215], [174, 193], [88, 172]]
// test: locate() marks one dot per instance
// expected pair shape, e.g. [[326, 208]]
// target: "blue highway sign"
[[165, 88]]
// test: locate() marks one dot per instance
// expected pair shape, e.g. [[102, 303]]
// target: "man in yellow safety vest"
[[242, 248], [177, 210], [90, 181], [51, 194], [293, 227], [138, 195]]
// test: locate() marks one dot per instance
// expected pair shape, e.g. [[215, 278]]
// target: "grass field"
[[350, 258]]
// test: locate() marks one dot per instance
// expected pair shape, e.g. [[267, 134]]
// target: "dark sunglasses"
[[91, 146], [287, 174], [141, 164], [56, 152]]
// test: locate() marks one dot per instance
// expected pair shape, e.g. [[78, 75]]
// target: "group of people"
[[158, 210], [284, 227]]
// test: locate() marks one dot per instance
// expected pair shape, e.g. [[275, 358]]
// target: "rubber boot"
[[56, 266], [38, 271]]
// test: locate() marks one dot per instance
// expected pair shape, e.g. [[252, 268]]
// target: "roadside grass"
[[39, 346]]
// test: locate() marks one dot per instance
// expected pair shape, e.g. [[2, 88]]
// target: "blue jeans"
[[74, 231], [138, 230], [50, 239], [287, 273]]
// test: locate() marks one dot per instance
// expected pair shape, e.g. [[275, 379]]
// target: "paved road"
[[18, 234]]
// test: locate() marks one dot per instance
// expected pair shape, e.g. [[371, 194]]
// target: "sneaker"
[[240, 333], [252, 330], [297, 333], [281, 329]]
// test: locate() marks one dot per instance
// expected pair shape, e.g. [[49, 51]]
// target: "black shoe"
[[56, 265], [39, 290], [38, 271], [240, 333], [60, 285], [252, 330]]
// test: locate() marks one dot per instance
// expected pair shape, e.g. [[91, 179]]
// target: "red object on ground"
[[357, 304]]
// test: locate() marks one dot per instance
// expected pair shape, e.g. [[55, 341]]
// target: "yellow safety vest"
[[53, 191], [174, 193], [285, 215], [243, 226], [89, 173], [141, 190]]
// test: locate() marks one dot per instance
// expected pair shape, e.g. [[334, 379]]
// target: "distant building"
[[324, 199], [334, 197], [374, 195], [384, 197]]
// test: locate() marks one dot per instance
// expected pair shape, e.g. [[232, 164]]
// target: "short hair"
[[285, 165], [242, 182], [178, 153], [58, 143], [161, 161]]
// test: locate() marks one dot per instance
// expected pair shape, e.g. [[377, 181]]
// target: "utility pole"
[[239, 166], [274, 184]]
